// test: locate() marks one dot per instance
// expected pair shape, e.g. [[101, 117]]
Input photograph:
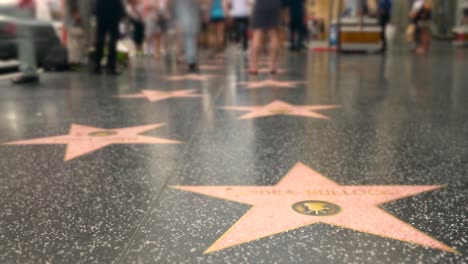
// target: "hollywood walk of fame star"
[[282, 108], [304, 197], [85, 139], [270, 83], [190, 77], [154, 96]]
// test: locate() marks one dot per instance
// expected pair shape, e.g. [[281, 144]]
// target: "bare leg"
[[220, 36], [256, 39], [426, 40], [157, 46], [274, 49], [163, 40], [212, 39]]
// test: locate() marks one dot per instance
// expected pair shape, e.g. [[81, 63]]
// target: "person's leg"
[[85, 12], [163, 41], [157, 46], [383, 27], [245, 33], [417, 37], [220, 35], [212, 35], [256, 39], [27, 54], [148, 43], [100, 38], [237, 30], [423, 40], [112, 46], [292, 35], [73, 45], [140, 36], [426, 39], [383, 38], [135, 33], [302, 35], [274, 49], [191, 50], [179, 43]]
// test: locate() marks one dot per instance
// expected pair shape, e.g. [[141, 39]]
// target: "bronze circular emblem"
[[316, 208], [104, 133]]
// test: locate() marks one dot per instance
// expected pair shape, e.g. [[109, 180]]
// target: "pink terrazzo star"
[[272, 84], [154, 96], [304, 197], [85, 139], [282, 108], [190, 77]]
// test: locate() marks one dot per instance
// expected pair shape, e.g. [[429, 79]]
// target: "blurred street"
[[145, 136]]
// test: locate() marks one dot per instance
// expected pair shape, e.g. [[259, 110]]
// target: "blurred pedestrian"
[[78, 24], [266, 19], [157, 20], [188, 19], [297, 26], [135, 12], [240, 13], [421, 15], [25, 12], [108, 16], [217, 13], [385, 14]]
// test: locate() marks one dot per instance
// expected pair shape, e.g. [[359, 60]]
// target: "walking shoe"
[[23, 79], [193, 68], [96, 70], [113, 72]]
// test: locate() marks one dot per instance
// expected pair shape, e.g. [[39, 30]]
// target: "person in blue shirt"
[[217, 13], [385, 14]]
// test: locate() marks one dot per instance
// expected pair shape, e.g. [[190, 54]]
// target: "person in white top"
[[156, 22], [135, 12], [421, 14], [417, 5], [240, 13]]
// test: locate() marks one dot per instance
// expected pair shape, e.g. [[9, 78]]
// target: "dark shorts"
[[266, 18]]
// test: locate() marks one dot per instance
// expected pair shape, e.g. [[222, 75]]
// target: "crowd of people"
[[153, 20], [158, 24]]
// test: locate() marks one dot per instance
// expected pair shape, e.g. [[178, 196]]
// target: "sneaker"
[[113, 72], [193, 68], [96, 70], [24, 79]]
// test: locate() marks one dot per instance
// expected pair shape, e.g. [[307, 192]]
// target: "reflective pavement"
[[337, 159]]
